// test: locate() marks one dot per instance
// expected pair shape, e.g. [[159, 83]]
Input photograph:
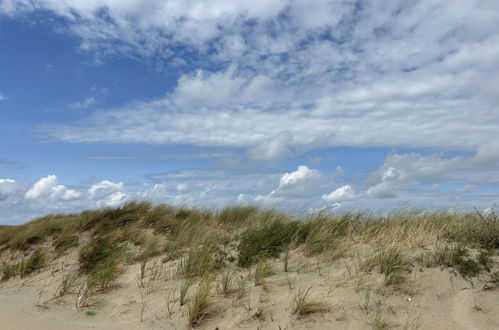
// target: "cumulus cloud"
[[47, 188], [107, 193], [340, 194], [296, 184], [8, 188]]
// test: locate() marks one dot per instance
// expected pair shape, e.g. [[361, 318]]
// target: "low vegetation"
[[200, 306], [458, 257], [24, 268], [212, 253], [390, 262], [303, 304]]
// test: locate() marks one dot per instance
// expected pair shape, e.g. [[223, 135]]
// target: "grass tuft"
[[303, 305], [392, 263], [266, 241], [199, 262], [97, 251], [199, 308]]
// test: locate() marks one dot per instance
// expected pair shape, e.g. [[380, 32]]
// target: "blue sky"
[[299, 105]]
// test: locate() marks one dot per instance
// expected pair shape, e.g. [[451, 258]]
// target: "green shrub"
[[97, 251], [468, 267], [9, 271], [266, 241], [456, 256], [34, 263]]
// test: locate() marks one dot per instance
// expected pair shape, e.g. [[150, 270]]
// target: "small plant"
[[302, 305], [85, 295], [262, 270], [392, 263], [378, 322], [9, 271], [170, 301], [226, 283], [143, 304], [366, 304], [302, 266], [259, 314], [413, 322], [68, 284], [285, 261], [199, 308], [184, 288], [484, 259], [143, 264]]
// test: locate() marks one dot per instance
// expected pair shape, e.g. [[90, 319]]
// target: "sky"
[[299, 105]]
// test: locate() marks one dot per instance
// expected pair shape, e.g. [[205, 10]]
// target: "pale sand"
[[438, 298]]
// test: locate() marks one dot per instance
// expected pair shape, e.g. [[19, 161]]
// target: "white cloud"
[[296, 184], [183, 187], [114, 200], [271, 150], [47, 188], [416, 75], [408, 169], [301, 175], [107, 193], [88, 102], [488, 153], [156, 194], [341, 194], [8, 188], [3, 97], [276, 79]]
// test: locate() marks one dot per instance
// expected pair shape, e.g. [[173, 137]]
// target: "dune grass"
[[199, 307], [303, 304], [30, 265], [206, 242]]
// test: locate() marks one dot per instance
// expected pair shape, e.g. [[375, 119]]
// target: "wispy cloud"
[[87, 102]]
